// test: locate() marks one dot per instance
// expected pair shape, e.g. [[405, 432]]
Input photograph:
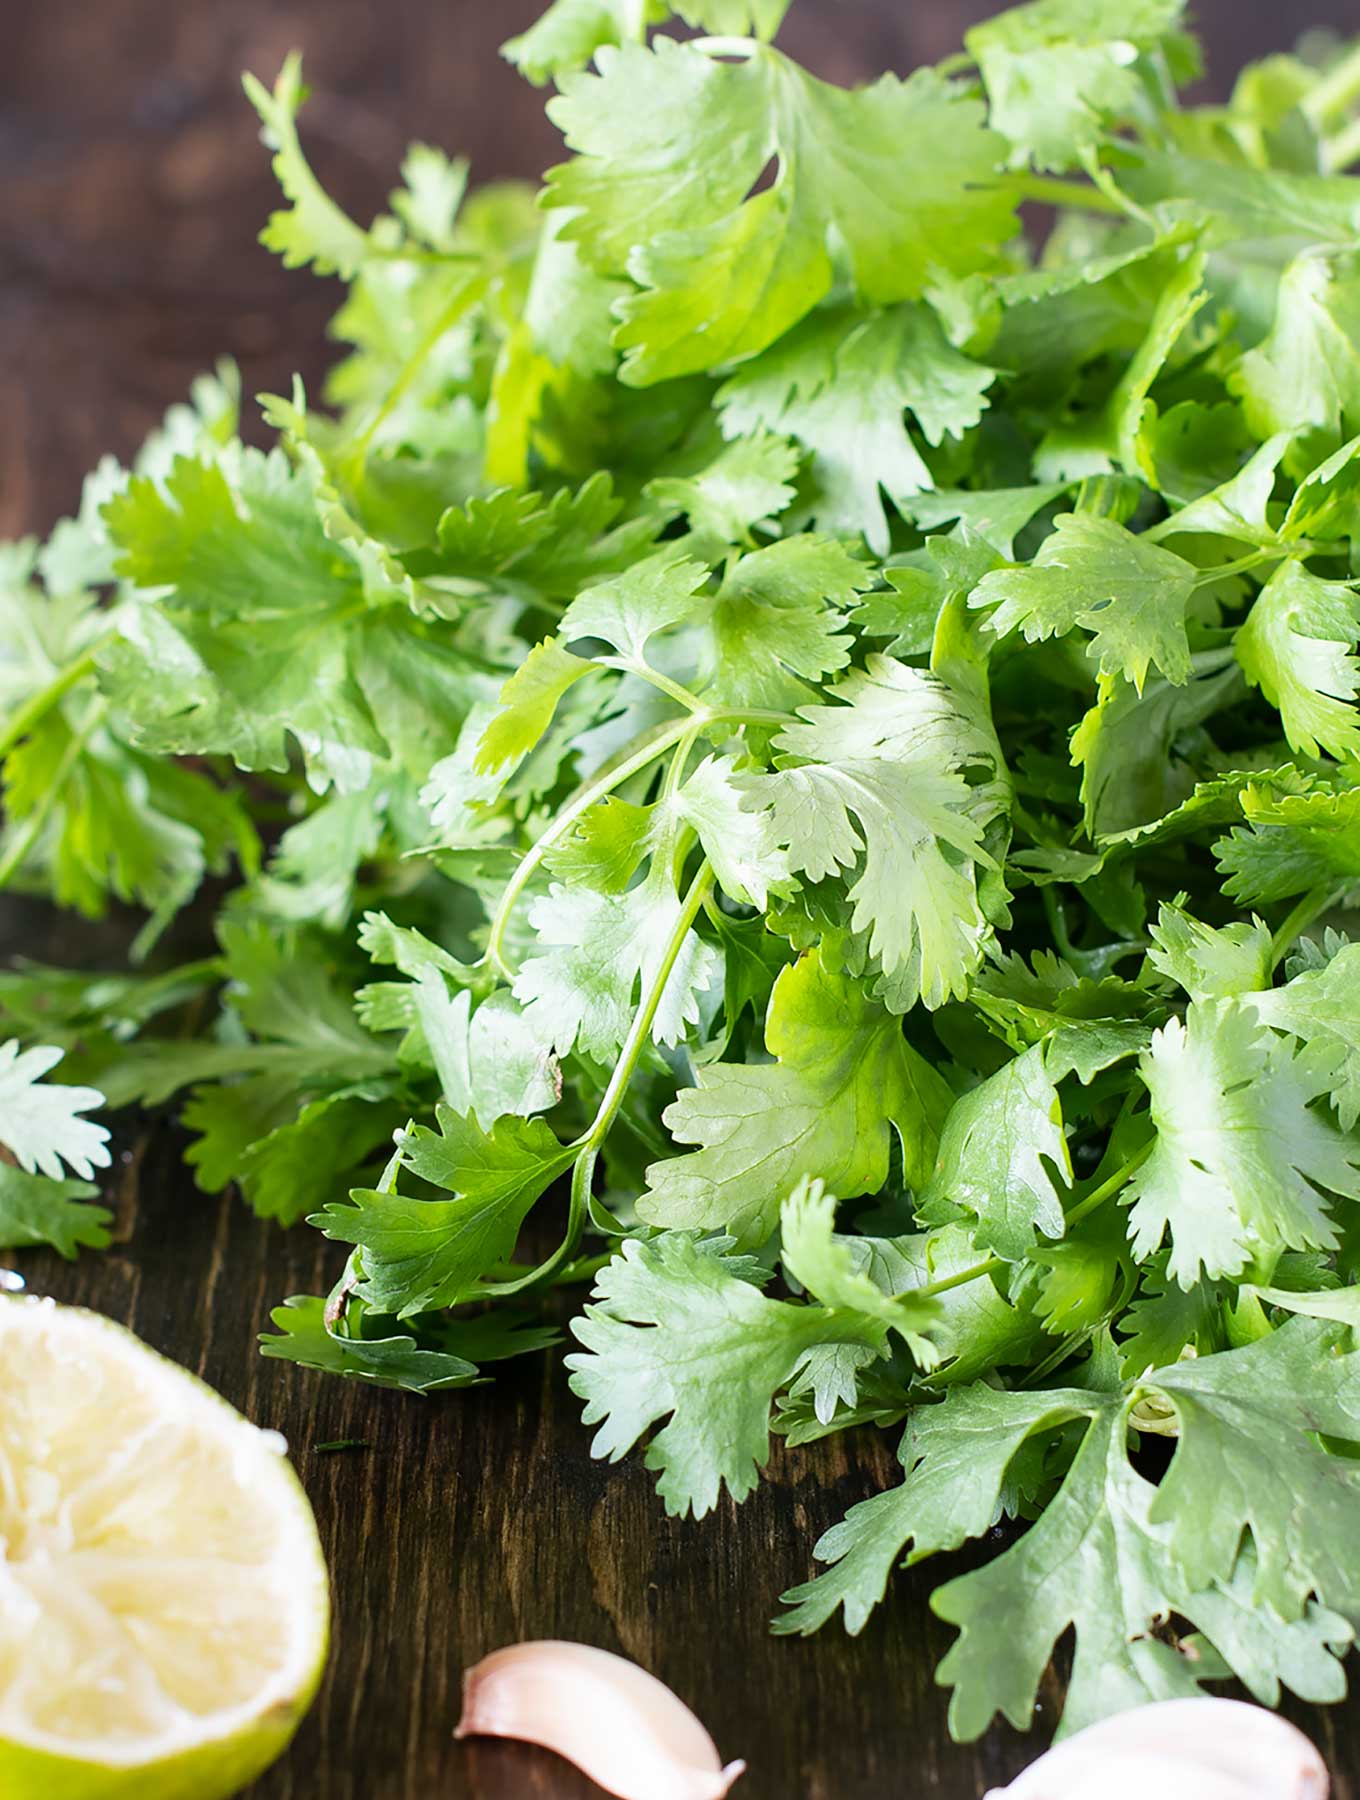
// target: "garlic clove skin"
[[1205, 1749], [621, 1726]]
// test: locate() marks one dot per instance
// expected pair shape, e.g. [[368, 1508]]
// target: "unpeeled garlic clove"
[[1203, 1749], [618, 1724]]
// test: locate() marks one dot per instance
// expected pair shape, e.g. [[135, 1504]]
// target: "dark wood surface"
[[133, 189]]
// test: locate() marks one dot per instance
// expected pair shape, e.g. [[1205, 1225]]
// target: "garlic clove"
[[1205, 1749], [621, 1726]]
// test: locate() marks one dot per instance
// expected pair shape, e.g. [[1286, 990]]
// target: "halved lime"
[[164, 1606]]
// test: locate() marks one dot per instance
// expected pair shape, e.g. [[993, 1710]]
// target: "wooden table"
[[133, 192]]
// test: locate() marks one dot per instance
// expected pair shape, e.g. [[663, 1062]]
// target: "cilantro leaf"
[[419, 1255], [291, 638], [844, 1077], [595, 951], [1307, 371], [777, 623], [1210, 963], [956, 1456], [1322, 1007], [41, 1122], [840, 385], [827, 1266], [1135, 749], [671, 143], [1292, 841], [1059, 73], [997, 1150], [313, 230], [1119, 1578], [878, 790], [737, 840], [629, 609], [1296, 646], [527, 703], [40, 1209], [679, 1331], [304, 1335], [1240, 1155], [741, 490], [1094, 573], [1273, 1395], [569, 33]]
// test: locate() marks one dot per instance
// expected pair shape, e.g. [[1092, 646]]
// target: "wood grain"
[[134, 189]]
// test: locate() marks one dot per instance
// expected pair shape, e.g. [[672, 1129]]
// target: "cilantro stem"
[[1333, 95], [590, 1145], [1297, 920], [653, 745], [1341, 151], [41, 703], [645, 672], [987, 1267], [1207, 577], [1111, 1185], [584, 1268], [31, 829], [463, 301], [647, 750], [726, 46], [640, 1030], [1048, 190], [406, 254]]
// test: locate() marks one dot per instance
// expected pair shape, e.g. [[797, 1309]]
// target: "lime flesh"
[[164, 1606]]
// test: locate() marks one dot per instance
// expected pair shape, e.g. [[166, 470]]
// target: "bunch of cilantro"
[[781, 749]]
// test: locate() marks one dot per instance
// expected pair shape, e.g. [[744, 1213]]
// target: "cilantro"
[[1295, 646], [1095, 573], [999, 1146], [774, 740], [679, 1329], [1240, 1155], [40, 1209], [41, 1123], [843, 1080]]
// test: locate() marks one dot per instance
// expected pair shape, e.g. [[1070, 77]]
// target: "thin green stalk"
[[1098, 1196], [1296, 921], [584, 1268], [987, 1267], [727, 46], [32, 827], [1339, 152], [1336, 92], [40, 704], [407, 253], [680, 761], [644, 672], [590, 1145], [1049, 190], [1257, 558], [462, 302], [640, 1030], [653, 746]]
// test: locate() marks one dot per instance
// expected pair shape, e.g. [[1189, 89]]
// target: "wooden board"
[[133, 192]]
